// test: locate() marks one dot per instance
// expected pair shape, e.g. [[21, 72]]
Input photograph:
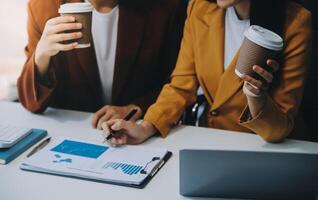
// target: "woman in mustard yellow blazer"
[[201, 63]]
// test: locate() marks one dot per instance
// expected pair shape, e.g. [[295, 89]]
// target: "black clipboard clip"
[[143, 171]]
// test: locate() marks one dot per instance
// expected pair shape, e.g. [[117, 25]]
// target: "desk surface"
[[16, 184]]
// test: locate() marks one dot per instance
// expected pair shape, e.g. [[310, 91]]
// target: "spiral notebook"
[[132, 166]]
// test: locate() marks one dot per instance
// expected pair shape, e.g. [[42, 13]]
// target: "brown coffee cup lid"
[[75, 8], [264, 37]]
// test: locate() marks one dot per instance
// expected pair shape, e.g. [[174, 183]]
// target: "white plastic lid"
[[264, 38], [75, 8]]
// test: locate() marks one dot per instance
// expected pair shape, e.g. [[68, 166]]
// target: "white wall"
[[13, 38]]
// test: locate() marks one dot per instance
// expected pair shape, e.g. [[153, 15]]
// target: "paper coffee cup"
[[83, 14], [259, 45]]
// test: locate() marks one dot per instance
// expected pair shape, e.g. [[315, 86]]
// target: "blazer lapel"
[[210, 51], [130, 33], [86, 59], [220, 85], [88, 63], [229, 84]]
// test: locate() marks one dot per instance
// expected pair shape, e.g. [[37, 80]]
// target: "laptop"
[[248, 175]]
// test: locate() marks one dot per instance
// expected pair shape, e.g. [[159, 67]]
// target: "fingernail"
[[79, 25], [72, 18]]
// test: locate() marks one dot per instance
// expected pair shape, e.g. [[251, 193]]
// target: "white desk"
[[16, 184]]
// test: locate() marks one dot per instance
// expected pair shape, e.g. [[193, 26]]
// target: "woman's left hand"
[[255, 89]]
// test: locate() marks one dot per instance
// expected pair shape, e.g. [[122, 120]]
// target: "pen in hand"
[[127, 118]]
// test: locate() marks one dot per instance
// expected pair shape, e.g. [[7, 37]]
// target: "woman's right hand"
[[128, 132], [51, 40]]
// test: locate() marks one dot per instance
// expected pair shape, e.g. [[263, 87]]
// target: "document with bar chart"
[[126, 165]]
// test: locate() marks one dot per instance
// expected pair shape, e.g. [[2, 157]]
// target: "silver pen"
[[39, 146]]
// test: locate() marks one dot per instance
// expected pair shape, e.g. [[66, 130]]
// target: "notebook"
[[8, 154], [10, 135], [132, 166]]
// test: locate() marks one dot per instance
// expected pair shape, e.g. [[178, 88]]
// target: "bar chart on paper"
[[125, 168]]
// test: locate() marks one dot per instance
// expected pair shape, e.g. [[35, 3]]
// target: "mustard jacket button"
[[214, 113]]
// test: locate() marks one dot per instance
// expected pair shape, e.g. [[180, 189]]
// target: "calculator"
[[10, 135]]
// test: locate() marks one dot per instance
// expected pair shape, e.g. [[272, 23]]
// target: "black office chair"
[[191, 116]]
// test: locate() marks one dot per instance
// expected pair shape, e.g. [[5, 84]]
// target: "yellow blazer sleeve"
[[276, 120], [181, 91]]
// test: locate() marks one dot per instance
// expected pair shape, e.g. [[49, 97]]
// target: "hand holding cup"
[[254, 64], [53, 40], [258, 87], [69, 31]]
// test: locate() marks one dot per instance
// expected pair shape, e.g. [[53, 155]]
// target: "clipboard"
[[143, 173]]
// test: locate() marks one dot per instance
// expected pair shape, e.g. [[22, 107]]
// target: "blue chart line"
[[126, 168]]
